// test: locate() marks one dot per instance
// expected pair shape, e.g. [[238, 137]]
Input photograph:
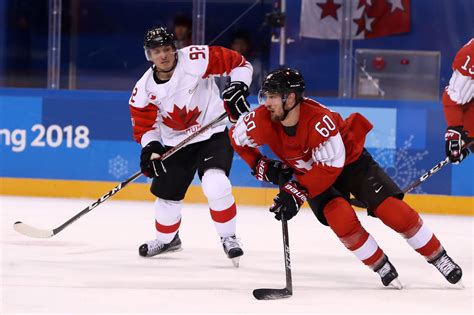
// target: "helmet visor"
[[148, 51], [147, 54], [262, 97]]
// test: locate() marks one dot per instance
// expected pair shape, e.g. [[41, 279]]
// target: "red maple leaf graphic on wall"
[[181, 119]]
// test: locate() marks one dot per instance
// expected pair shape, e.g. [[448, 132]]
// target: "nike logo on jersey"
[[208, 158], [378, 189], [191, 91]]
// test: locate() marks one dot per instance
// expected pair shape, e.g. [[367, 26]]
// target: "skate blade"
[[396, 284], [170, 251], [459, 285], [235, 261], [175, 250]]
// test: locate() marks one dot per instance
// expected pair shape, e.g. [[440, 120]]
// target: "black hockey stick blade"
[[275, 294], [272, 294]]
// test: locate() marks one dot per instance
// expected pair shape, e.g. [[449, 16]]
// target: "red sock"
[[344, 222], [399, 216]]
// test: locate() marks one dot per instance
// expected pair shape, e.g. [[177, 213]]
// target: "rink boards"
[[79, 144]]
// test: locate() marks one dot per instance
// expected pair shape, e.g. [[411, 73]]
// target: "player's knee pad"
[[215, 184], [341, 217], [167, 212], [217, 189], [398, 215]]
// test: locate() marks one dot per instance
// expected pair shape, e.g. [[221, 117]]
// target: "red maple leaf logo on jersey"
[[181, 119]]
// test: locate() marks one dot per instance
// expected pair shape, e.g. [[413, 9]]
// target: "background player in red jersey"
[[175, 97], [330, 162], [458, 104]]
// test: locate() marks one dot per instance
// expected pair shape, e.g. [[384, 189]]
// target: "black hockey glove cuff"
[[272, 171], [289, 200], [235, 100]]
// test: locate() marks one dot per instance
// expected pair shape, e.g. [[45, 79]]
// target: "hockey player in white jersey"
[[174, 98]]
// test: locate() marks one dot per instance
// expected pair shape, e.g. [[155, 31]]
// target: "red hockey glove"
[[288, 201], [235, 100], [272, 171], [149, 167], [456, 138]]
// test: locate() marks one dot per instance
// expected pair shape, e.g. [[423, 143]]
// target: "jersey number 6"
[[324, 129]]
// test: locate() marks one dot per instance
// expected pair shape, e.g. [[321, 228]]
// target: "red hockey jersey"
[[458, 97], [323, 144]]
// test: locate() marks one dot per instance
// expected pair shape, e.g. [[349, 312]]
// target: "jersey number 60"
[[324, 130], [250, 124]]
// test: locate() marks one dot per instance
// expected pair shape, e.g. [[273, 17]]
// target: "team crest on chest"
[[303, 165], [181, 119]]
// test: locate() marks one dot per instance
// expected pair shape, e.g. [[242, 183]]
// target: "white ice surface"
[[93, 265]]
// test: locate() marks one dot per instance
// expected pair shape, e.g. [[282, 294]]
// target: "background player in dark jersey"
[[330, 162]]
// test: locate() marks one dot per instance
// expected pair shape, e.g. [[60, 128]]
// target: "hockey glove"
[[272, 171], [456, 138], [150, 164], [288, 201], [235, 100]]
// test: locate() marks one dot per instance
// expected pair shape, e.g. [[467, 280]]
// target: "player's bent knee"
[[215, 184], [341, 217]]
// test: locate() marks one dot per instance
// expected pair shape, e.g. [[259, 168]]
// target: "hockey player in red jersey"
[[458, 105], [174, 98], [329, 161]]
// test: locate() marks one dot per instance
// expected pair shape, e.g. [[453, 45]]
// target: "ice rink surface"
[[93, 265]]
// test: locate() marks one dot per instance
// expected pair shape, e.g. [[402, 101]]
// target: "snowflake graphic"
[[399, 163], [118, 167]]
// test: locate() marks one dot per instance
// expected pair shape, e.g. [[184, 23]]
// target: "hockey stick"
[[425, 176], [286, 292], [31, 231]]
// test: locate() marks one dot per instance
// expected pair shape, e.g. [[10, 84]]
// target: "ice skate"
[[232, 249], [155, 247], [448, 268], [388, 274]]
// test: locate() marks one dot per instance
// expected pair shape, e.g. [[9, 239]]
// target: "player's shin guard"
[[402, 218], [167, 219], [218, 191], [343, 221]]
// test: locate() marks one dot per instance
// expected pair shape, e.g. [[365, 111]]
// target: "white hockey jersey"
[[169, 112]]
